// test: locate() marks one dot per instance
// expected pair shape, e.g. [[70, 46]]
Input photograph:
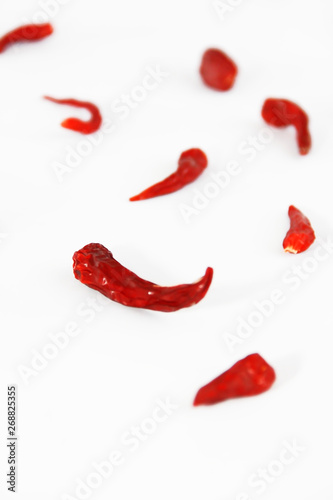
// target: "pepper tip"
[[196, 401]]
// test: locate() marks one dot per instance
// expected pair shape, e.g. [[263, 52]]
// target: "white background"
[[75, 411]]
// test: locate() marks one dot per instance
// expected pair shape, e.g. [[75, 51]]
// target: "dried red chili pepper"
[[217, 70], [28, 33], [85, 127], [248, 377], [281, 113], [300, 235], [190, 165], [95, 267]]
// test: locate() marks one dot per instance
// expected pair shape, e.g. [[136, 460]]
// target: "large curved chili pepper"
[[248, 377], [85, 127], [281, 113], [217, 70], [95, 267], [28, 33], [190, 165], [300, 235]]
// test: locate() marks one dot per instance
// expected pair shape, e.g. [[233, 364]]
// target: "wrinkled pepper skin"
[[217, 70], [84, 127], [281, 113], [27, 33], [95, 267], [300, 235], [248, 377], [191, 164]]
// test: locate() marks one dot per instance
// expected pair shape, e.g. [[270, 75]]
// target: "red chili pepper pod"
[[281, 113], [28, 33], [84, 127], [95, 267], [248, 377], [217, 70], [190, 165], [300, 235]]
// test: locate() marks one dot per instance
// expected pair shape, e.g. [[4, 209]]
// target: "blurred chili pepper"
[[28, 33], [281, 113], [95, 267], [248, 377], [190, 165], [217, 70], [300, 235], [85, 127]]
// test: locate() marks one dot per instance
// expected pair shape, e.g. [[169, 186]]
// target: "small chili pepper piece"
[[281, 113], [85, 127], [248, 377], [190, 165], [217, 70], [27, 33], [95, 267], [300, 235]]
